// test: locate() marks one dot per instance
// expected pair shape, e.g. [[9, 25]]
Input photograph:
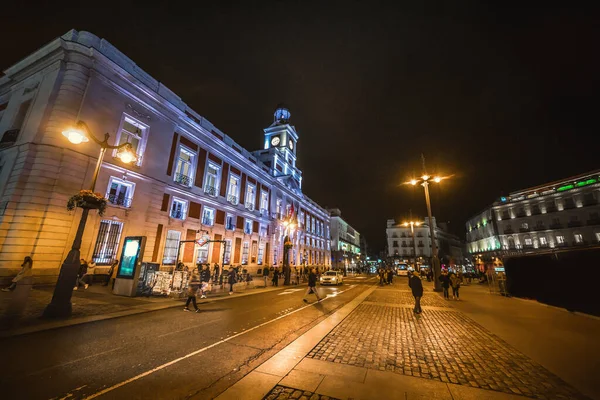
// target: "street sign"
[[201, 242]]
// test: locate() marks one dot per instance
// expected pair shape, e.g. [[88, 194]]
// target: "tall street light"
[[435, 262], [412, 231], [289, 227], [60, 306]]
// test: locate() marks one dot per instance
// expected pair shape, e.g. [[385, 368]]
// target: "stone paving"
[[283, 393], [441, 344]]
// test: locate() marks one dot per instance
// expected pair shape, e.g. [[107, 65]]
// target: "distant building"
[[402, 248], [559, 214], [345, 242]]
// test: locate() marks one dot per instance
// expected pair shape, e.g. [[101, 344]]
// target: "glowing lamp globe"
[[75, 136], [127, 155]]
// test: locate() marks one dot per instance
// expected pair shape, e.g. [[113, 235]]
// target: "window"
[[578, 238], [234, 187], [119, 192], [543, 241], [301, 219], [248, 226], [263, 231], [208, 216], [171, 247], [278, 209], [264, 202], [211, 179], [250, 197], [134, 133], [598, 236], [21, 114], [275, 256], [524, 225], [178, 208], [227, 252], [184, 167], [230, 222], [202, 257], [107, 243], [261, 254], [560, 239], [312, 222], [528, 242], [396, 243], [245, 253]]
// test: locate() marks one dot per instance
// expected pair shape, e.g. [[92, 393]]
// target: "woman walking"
[[416, 286], [445, 279], [204, 280], [455, 282], [312, 286], [192, 289], [25, 272]]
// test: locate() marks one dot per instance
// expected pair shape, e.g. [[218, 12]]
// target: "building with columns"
[[345, 242], [191, 181]]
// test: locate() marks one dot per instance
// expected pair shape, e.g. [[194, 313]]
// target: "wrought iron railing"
[[119, 200], [211, 191], [183, 179], [232, 199], [249, 206], [179, 214], [207, 221]]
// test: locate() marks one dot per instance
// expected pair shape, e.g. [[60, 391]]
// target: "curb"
[[126, 313]]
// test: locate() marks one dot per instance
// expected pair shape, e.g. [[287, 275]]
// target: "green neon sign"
[[563, 188]]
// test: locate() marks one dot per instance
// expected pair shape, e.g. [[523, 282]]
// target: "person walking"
[[83, 267], [445, 279], [312, 286], [232, 279], [265, 274], [25, 272], [390, 276], [455, 283], [204, 280], [416, 286], [193, 286], [381, 276], [276, 277], [112, 271]]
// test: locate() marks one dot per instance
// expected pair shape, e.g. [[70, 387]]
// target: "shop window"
[[202, 251], [171, 247], [120, 192], [107, 242], [227, 252], [211, 179], [135, 133], [208, 216], [245, 250], [178, 208], [184, 168]]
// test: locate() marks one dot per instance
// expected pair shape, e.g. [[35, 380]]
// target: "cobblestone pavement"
[[283, 393], [401, 294], [444, 345]]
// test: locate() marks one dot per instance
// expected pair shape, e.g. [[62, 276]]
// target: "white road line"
[[289, 291], [175, 361]]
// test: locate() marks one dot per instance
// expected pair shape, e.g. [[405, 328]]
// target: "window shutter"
[[255, 226], [194, 210], [165, 203], [243, 191], [172, 155], [200, 168], [220, 218], [216, 251], [240, 223], [159, 229], [224, 177]]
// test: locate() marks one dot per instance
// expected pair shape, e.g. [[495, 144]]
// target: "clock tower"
[[279, 153]]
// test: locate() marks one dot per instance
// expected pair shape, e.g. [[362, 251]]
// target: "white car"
[[332, 278], [402, 272]]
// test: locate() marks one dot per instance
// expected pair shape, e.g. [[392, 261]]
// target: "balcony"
[[543, 245], [524, 230], [574, 224], [119, 200], [207, 221], [264, 211], [539, 227], [211, 191], [230, 226], [233, 200], [581, 243], [249, 206], [178, 214], [563, 244], [248, 231], [9, 138], [183, 180]]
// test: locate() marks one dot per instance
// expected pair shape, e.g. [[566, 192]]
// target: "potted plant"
[[89, 200]]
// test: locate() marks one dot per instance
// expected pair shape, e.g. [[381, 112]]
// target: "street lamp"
[[289, 227], [60, 306], [435, 262], [412, 231]]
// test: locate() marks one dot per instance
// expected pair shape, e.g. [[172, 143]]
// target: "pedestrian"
[[83, 267], [193, 286], [429, 275], [312, 286], [232, 279], [204, 280], [111, 271], [445, 279], [275, 277], [25, 272], [455, 283], [416, 286], [390, 276], [381, 276], [217, 270], [265, 274]]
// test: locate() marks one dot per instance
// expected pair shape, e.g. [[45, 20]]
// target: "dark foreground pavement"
[[166, 354]]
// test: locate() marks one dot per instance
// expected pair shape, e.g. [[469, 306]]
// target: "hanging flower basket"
[[88, 200]]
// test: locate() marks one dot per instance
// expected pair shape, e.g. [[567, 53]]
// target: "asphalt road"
[[167, 354]]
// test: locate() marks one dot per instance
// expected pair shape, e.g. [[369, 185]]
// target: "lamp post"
[[412, 231], [435, 262], [60, 306], [289, 227]]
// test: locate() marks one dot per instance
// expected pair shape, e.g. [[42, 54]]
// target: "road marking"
[[175, 361], [289, 291]]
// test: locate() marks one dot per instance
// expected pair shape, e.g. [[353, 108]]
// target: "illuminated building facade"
[[345, 242], [555, 215], [191, 181]]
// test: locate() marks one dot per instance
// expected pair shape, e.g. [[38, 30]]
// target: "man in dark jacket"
[[415, 284], [312, 285], [204, 280], [445, 279], [232, 279]]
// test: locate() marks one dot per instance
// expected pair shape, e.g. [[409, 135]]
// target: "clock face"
[[291, 144], [275, 141]]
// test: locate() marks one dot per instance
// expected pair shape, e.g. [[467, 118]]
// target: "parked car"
[[332, 278], [402, 272]]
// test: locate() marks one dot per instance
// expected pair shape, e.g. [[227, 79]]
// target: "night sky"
[[502, 97]]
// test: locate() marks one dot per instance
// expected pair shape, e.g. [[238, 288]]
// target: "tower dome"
[[282, 114]]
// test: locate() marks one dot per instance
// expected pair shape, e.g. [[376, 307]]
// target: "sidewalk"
[[98, 303], [375, 347]]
